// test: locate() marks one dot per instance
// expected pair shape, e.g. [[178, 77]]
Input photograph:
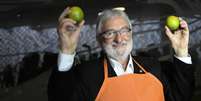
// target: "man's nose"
[[118, 38]]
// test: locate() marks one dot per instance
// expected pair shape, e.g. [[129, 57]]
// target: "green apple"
[[76, 13], [173, 22]]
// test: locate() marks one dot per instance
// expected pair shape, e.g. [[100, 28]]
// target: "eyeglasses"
[[112, 33]]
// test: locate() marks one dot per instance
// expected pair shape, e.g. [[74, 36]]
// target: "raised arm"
[[61, 83]]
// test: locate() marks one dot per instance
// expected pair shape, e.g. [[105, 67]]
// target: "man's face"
[[116, 38]]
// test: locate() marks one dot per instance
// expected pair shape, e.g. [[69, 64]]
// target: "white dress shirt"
[[119, 69], [65, 62]]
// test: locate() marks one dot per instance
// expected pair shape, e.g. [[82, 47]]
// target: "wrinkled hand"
[[179, 39], [68, 32]]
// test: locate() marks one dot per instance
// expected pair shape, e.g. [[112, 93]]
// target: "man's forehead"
[[116, 22]]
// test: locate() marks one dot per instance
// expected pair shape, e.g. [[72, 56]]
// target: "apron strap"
[[139, 66], [105, 68]]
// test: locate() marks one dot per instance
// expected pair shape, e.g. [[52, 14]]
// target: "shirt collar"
[[118, 68]]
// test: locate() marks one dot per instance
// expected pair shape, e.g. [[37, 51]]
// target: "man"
[[116, 75]]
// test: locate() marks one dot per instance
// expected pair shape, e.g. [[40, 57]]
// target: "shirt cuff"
[[186, 60], [65, 61]]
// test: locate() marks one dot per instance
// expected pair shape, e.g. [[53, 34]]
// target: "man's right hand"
[[68, 32]]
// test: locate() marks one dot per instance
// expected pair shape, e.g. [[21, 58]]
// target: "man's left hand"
[[179, 38]]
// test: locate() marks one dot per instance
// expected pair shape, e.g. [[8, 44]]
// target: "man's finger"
[[67, 25], [168, 32], [67, 20], [81, 24], [64, 13], [184, 25], [177, 32]]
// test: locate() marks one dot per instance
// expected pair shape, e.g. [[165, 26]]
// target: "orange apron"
[[130, 87]]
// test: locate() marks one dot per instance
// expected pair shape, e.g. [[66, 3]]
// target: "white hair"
[[107, 14]]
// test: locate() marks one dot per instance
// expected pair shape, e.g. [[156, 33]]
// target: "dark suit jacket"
[[83, 82]]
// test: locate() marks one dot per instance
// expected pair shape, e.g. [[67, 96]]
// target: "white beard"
[[119, 53]]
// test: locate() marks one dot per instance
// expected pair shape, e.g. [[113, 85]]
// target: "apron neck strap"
[[106, 67], [139, 66]]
